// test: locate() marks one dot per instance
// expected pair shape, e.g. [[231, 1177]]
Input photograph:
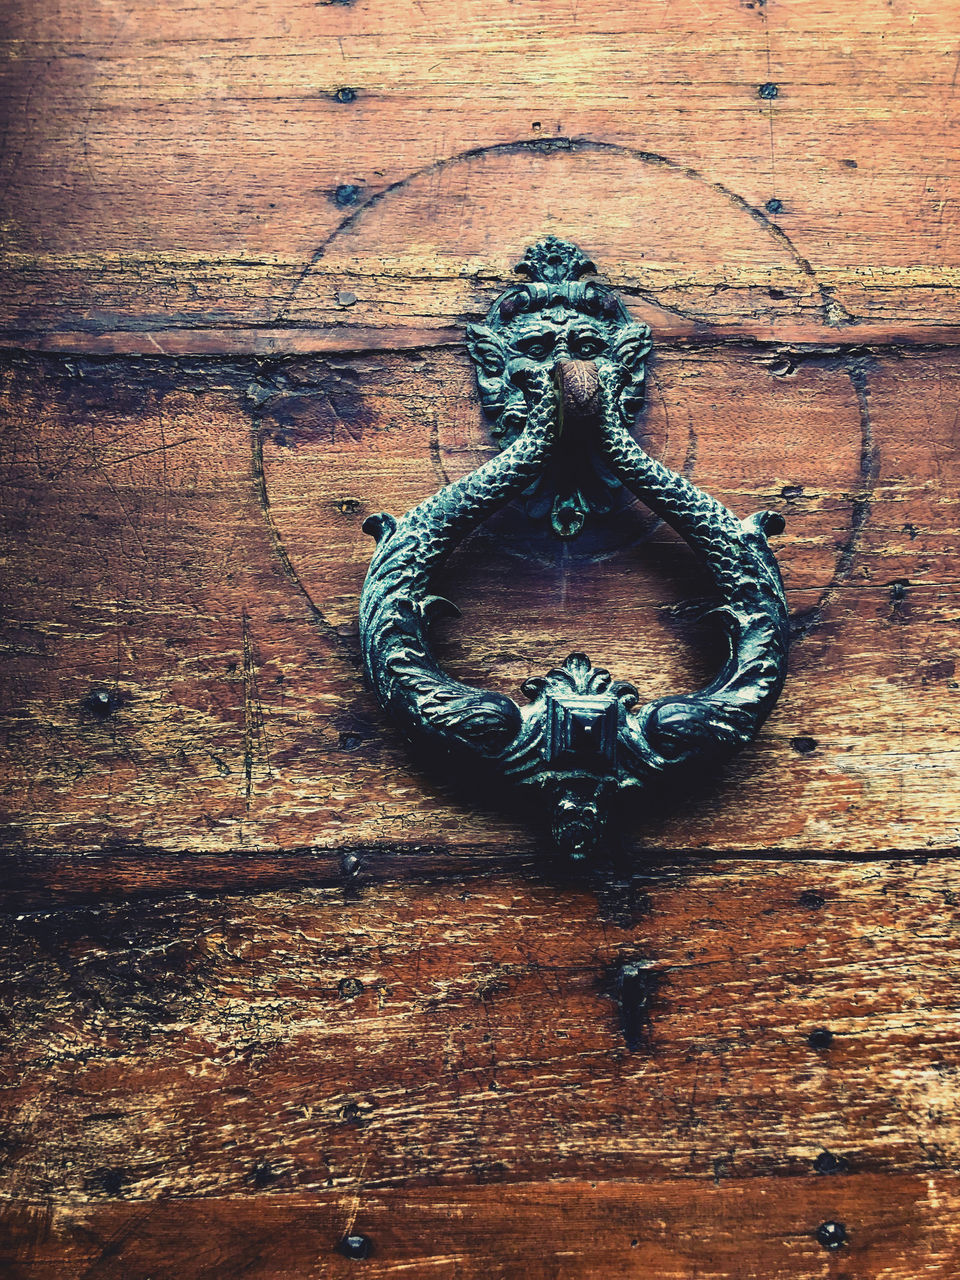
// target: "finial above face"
[[555, 315], [553, 261]]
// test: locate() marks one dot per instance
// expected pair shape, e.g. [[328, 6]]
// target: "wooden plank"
[[185, 538], [184, 166], [356, 340], [34, 879], [897, 1229], [761, 1022]]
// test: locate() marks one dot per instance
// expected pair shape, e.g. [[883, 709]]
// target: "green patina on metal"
[[581, 741]]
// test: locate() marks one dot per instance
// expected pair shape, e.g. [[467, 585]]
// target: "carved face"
[[533, 326], [552, 317], [579, 815]]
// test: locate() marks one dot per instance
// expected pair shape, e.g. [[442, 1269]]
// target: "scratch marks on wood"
[[857, 368], [349, 653], [255, 744]]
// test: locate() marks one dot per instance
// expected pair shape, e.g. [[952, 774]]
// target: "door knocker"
[[560, 369]]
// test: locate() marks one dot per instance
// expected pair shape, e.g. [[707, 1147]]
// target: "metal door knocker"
[[560, 369]]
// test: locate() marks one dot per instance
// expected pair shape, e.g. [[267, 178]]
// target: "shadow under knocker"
[[560, 369]]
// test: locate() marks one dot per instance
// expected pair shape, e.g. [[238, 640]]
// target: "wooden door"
[[278, 1001]]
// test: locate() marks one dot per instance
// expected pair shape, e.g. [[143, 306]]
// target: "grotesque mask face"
[[555, 316], [579, 815]]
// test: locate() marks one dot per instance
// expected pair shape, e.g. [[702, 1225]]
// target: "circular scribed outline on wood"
[[832, 312], [833, 316]]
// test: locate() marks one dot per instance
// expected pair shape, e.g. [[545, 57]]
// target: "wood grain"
[[342, 1052], [265, 981], [181, 166], [901, 1228]]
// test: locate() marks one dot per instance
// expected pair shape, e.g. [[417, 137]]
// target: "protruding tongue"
[[580, 387]]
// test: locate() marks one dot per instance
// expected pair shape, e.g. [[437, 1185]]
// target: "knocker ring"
[[560, 369]]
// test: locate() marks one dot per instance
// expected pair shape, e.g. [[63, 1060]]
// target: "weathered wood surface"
[[905, 1229], [181, 166], [151, 508], [304, 1062], [264, 981]]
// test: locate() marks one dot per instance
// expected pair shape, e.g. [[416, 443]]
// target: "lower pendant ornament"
[[560, 367]]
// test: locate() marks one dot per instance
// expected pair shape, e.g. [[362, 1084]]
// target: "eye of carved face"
[[538, 345], [587, 343]]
